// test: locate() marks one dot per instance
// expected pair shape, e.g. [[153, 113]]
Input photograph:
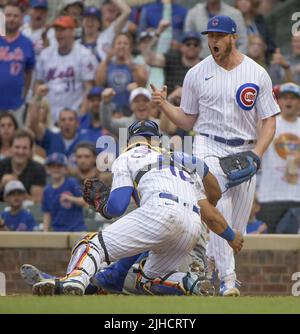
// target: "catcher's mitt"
[[240, 167], [96, 194]]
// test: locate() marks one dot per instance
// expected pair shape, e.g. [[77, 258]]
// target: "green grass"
[[141, 304]]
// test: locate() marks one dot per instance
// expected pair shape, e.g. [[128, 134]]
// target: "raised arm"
[[125, 10]]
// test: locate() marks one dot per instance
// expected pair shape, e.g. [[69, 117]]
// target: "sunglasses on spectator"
[[194, 44]]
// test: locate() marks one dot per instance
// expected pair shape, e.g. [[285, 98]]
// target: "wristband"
[[228, 234]]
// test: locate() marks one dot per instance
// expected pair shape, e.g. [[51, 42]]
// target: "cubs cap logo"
[[215, 22], [246, 96]]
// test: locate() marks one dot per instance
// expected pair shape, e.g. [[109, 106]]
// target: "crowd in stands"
[[73, 71]]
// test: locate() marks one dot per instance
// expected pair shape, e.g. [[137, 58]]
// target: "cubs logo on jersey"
[[246, 96]]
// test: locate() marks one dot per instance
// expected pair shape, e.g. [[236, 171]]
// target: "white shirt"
[[229, 103], [65, 76], [273, 183], [105, 41], [178, 183]]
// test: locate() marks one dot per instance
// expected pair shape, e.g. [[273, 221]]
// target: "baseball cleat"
[[73, 288], [229, 288], [44, 288], [30, 274]]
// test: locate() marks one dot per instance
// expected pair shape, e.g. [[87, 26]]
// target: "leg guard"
[[87, 255]]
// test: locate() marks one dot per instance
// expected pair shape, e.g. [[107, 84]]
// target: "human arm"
[[28, 78], [47, 221], [279, 59], [265, 136], [175, 114], [79, 201], [125, 10], [33, 119], [217, 224], [84, 105], [36, 193], [101, 73]]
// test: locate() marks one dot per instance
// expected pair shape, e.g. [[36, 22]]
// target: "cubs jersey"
[[229, 103], [170, 180], [65, 76], [274, 184]]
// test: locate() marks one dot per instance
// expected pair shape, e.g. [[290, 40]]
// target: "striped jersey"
[[170, 179], [229, 103]]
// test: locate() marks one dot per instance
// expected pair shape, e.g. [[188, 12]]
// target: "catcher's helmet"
[[144, 129]]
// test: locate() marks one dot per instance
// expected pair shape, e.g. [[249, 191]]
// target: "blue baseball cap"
[[190, 35], [95, 91], [92, 11], [57, 158], [290, 87], [220, 23], [39, 4]]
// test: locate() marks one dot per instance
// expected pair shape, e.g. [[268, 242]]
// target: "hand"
[[132, 86], [159, 96], [237, 243], [65, 197], [41, 91], [108, 94], [279, 59], [163, 25], [7, 178]]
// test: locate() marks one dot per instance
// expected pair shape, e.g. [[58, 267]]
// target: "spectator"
[[15, 217], [63, 141], [280, 69], [256, 50], [112, 25], [176, 63], [294, 59], [36, 28], [140, 105], [91, 30], [75, 9], [279, 188], [90, 122], [17, 61], [21, 166], [85, 156], [62, 199], [290, 222], [70, 73], [256, 24], [8, 128], [255, 226], [121, 73], [153, 13], [198, 17]]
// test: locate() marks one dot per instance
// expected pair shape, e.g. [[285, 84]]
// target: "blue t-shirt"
[[53, 142], [87, 130], [119, 76], [66, 217], [22, 221], [16, 57], [253, 226]]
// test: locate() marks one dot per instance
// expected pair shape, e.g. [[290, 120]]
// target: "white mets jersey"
[[65, 76], [171, 180], [229, 103]]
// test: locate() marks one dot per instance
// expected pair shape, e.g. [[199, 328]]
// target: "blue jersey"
[[119, 76], [22, 221], [16, 57], [65, 216], [254, 225], [88, 132]]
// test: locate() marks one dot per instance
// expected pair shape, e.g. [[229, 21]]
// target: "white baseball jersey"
[[229, 103], [274, 185], [65, 76], [170, 230]]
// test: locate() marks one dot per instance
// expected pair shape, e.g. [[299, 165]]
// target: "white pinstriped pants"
[[235, 204], [167, 229]]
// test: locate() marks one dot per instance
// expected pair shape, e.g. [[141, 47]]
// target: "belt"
[[230, 142], [176, 199]]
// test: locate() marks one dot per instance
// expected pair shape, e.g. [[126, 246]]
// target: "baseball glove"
[[240, 167], [96, 194]]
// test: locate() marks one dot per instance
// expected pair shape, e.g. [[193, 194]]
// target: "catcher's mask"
[[146, 128]]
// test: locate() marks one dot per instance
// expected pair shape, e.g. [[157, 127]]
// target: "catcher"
[[167, 222]]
